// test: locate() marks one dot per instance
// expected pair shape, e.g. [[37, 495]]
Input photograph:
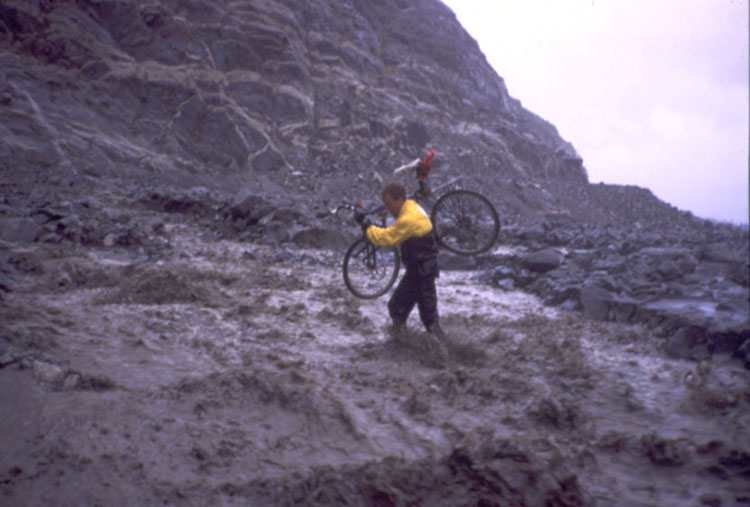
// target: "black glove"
[[362, 220]]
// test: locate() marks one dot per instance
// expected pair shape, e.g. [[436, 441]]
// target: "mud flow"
[[228, 373]]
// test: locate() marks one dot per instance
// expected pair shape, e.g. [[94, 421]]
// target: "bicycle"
[[465, 222]]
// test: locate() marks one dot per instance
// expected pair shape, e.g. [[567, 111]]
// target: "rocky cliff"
[[290, 95]]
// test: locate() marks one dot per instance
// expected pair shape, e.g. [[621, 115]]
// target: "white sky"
[[651, 93]]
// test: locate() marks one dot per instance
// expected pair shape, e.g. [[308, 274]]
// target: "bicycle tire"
[[369, 270], [465, 222]]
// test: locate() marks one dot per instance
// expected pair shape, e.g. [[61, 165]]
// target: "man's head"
[[394, 196]]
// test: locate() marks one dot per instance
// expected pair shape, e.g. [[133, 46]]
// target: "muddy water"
[[237, 374]]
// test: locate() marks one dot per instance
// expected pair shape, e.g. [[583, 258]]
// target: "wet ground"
[[225, 373]]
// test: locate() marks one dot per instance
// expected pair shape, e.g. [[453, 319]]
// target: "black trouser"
[[417, 287]]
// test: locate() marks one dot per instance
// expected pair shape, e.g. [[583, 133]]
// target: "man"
[[412, 231]]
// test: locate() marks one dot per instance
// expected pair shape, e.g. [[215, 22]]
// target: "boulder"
[[195, 201], [26, 261], [323, 238], [669, 270], [623, 309], [612, 264], [6, 283], [595, 301], [506, 284], [690, 342], [584, 259], [19, 230], [452, 262], [719, 252], [276, 233], [542, 261], [249, 207], [534, 232]]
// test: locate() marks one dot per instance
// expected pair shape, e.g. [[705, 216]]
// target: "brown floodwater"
[[224, 373]]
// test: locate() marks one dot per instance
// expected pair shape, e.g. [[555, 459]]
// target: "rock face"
[[269, 90], [319, 97]]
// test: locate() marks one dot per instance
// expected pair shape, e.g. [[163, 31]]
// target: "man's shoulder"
[[412, 206]]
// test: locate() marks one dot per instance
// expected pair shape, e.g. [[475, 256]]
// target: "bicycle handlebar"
[[411, 165], [355, 209], [422, 168]]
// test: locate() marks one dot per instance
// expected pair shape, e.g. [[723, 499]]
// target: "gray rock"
[[523, 277], [669, 270], [501, 273], [26, 261], [6, 358], [542, 260], [277, 233], [583, 259], [452, 262], [534, 233], [50, 237], [249, 207], [47, 372], [743, 352], [602, 279], [718, 252], [62, 279], [613, 264], [688, 343], [71, 227], [323, 238], [595, 301], [7, 284], [663, 253], [19, 230], [58, 210], [687, 263], [623, 309], [72, 381], [506, 284], [665, 452]]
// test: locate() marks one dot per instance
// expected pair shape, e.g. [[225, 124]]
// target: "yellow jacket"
[[412, 222]]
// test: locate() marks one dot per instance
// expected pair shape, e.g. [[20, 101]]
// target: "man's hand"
[[362, 220]]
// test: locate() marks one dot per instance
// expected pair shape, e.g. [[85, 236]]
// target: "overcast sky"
[[651, 93]]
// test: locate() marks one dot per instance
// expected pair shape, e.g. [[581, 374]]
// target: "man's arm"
[[392, 235]]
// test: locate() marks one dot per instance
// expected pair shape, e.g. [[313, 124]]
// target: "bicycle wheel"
[[465, 222], [369, 270]]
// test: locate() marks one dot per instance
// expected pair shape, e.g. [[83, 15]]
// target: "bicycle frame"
[[370, 260], [465, 223], [369, 270], [424, 193]]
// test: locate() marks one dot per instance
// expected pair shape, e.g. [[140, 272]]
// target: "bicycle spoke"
[[455, 208], [465, 222], [370, 271]]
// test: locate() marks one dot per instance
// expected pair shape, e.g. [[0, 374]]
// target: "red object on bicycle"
[[423, 168]]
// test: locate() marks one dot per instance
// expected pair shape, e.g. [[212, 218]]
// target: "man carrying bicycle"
[[412, 232]]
